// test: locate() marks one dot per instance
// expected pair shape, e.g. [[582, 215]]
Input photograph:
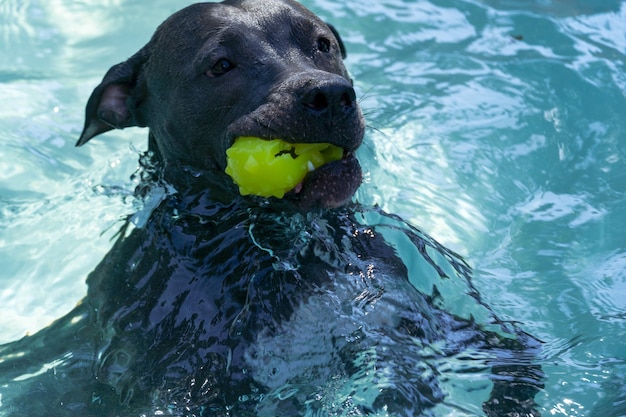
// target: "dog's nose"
[[338, 97]]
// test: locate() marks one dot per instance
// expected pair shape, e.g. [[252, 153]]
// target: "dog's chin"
[[329, 186]]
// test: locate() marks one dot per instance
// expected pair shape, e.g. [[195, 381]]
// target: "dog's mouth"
[[308, 174]]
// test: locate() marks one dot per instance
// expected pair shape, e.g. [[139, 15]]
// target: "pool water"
[[498, 127]]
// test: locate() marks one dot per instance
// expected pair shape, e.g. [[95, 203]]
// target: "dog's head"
[[213, 72]]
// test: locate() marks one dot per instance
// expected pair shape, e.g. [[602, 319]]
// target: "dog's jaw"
[[330, 186]]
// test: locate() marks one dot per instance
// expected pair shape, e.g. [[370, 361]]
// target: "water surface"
[[497, 127]]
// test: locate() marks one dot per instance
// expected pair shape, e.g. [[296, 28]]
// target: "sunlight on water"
[[495, 126]]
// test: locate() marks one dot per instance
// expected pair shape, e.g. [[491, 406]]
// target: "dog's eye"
[[323, 44], [221, 67]]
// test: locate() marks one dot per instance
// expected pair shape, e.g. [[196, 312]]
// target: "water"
[[497, 127]]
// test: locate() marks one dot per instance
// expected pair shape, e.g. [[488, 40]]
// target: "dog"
[[230, 305]]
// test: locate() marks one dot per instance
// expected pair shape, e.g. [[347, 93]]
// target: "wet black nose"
[[334, 96]]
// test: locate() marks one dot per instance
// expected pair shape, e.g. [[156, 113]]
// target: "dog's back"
[[245, 311]]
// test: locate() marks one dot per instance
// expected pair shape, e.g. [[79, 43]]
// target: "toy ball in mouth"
[[271, 168]]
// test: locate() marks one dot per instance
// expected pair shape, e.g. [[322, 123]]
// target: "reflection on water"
[[496, 126]]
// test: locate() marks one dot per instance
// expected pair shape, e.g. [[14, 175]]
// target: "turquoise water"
[[497, 127]]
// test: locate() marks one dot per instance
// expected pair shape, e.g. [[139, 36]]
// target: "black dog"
[[224, 305]]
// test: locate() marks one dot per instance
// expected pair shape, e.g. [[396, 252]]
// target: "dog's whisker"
[[385, 136], [366, 94]]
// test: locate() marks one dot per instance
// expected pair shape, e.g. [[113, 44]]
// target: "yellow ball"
[[274, 167]]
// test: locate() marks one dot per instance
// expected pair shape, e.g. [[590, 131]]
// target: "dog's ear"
[[342, 47], [113, 103]]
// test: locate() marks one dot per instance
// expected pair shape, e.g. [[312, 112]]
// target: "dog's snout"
[[335, 96]]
